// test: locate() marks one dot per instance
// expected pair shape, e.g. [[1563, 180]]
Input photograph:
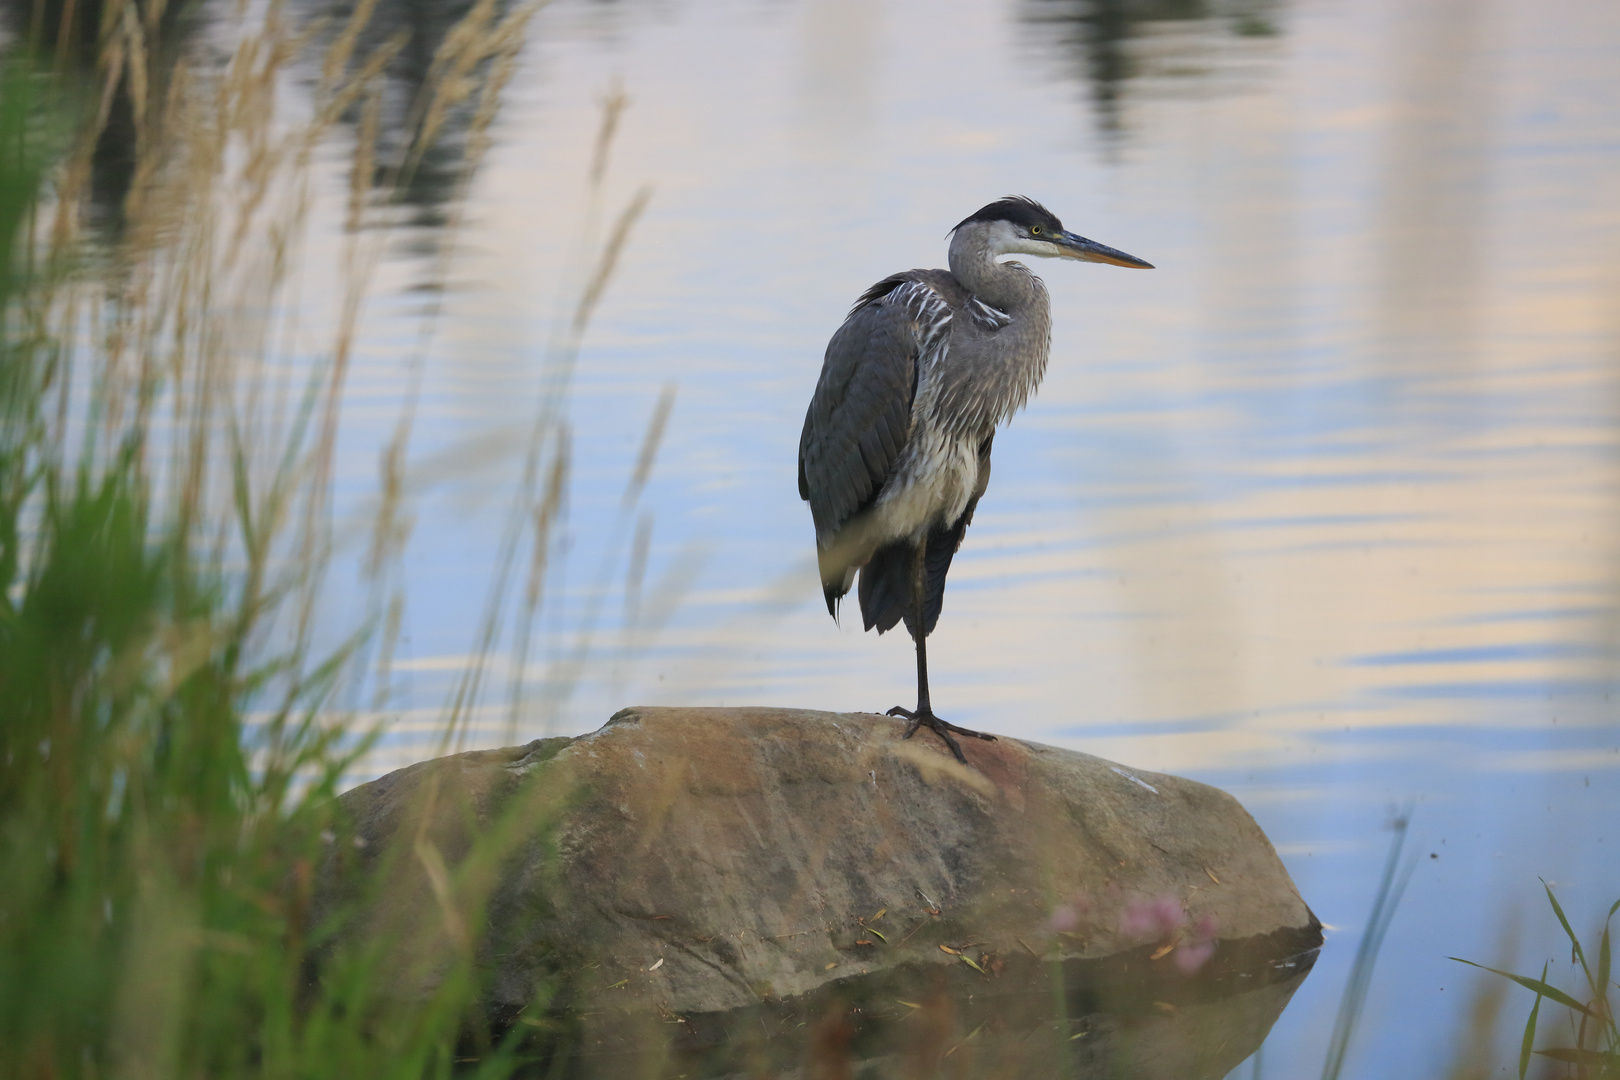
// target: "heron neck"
[[1009, 287]]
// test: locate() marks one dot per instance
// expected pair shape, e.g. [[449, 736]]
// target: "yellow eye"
[[1036, 231]]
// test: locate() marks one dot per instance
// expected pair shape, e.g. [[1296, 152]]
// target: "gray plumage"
[[895, 452]]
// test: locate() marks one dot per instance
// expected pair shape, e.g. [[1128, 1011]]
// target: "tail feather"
[[836, 578], [942, 545], [886, 586], [886, 580]]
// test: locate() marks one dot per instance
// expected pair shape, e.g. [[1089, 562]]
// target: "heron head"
[[1020, 225]]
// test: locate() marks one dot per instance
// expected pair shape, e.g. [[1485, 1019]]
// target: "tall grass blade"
[[1391, 887], [1526, 1044], [1574, 941], [649, 445], [1606, 1064], [1538, 985], [1603, 970]]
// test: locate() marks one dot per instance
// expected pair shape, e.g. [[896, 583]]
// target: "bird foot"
[[942, 728]]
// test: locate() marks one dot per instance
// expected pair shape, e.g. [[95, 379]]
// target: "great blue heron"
[[896, 446]]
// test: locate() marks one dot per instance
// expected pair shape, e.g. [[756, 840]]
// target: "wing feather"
[[859, 420]]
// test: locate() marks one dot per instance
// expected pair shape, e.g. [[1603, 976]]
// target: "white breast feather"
[[938, 471]]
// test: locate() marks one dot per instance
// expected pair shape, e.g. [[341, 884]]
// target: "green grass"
[[1592, 1037], [169, 743]]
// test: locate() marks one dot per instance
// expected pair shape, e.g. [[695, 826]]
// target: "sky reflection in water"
[[1323, 510]]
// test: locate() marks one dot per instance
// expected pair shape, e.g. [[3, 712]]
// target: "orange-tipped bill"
[[1078, 247]]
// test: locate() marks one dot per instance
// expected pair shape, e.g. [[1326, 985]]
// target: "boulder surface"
[[715, 876]]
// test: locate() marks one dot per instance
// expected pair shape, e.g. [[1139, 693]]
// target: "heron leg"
[[923, 714]]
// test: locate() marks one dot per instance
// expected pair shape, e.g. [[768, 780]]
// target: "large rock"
[[699, 890]]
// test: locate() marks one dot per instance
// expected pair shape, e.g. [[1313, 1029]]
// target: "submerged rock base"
[[776, 892]]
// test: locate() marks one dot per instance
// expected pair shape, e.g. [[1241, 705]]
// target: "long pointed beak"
[[1078, 247]]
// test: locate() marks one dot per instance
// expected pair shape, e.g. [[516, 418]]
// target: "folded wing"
[[859, 420]]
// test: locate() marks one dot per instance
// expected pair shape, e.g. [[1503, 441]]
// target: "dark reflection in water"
[[1098, 36], [422, 26], [67, 35], [420, 174], [426, 183], [1119, 1016]]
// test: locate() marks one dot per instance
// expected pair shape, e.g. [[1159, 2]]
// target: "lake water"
[[1325, 510]]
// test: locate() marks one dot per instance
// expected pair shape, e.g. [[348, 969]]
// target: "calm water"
[[1325, 510]]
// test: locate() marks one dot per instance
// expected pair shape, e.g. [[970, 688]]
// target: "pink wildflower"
[[1161, 918], [1194, 954], [1066, 918], [1158, 916]]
